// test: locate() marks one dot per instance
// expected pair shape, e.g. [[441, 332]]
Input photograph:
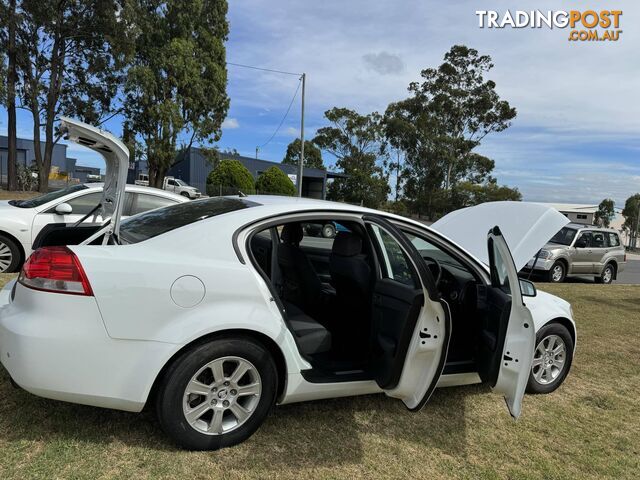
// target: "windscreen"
[[564, 237], [156, 222]]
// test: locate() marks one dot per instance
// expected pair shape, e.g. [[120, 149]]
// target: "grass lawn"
[[590, 428]]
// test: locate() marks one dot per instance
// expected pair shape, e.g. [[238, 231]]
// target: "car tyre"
[[608, 272], [328, 231], [557, 273], [200, 421], [186, 194], [552, 337], [10, 255]]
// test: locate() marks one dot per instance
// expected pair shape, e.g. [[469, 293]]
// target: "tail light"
[[55, 269]]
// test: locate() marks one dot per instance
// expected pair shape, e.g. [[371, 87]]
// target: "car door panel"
[[599, 252], [411, 324], [507, 337], [582, 261]]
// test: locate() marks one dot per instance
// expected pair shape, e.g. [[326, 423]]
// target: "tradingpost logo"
[[584, 26]]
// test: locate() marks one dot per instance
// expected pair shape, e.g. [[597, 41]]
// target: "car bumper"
[[540, 264], [58, 348]]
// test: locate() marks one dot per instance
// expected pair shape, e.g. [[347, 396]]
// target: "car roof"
[[591, 227], [140, 189]]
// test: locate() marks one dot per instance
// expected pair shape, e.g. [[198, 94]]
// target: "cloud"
[[230, 123], [384, 63]]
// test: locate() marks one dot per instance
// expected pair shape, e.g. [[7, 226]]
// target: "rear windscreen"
[[156, 222]]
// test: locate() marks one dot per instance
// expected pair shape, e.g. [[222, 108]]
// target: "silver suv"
[[580, 250]]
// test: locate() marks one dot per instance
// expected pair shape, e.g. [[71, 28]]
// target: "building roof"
[[258, 163], [572, 207]]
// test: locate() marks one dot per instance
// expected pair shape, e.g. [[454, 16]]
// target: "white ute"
[[242, 310]]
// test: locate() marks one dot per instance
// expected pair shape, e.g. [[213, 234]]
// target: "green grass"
[[590, 428]]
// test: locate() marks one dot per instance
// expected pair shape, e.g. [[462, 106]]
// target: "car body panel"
[[136, 308], [526, 227]]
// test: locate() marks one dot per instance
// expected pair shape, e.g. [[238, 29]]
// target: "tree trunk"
[[12, 177]]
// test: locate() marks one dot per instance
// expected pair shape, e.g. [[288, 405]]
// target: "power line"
[[264, 69], [283, 118]]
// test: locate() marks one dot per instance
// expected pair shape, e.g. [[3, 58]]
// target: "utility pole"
[[301, 164], [257, 148]]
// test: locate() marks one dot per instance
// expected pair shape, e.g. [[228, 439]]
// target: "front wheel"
[[328, 231], [557, 272], [551, 359], [186, 194], [217, 394]]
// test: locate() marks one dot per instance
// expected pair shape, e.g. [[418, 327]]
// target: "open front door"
[[411, 324], [507, 337]]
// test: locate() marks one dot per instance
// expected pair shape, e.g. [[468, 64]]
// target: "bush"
[[230, 174], [275, 181]]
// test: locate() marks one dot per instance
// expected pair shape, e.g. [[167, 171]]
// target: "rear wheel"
[[607, 274], [557, 273], [217, 394], [10, 257], [551, 359]]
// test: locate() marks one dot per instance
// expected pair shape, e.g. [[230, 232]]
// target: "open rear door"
[[411, 324], [508, 335]]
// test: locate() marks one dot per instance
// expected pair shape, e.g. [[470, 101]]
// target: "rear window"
[[156, 222]]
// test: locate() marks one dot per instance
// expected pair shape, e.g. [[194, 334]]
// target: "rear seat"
[[311, 336]]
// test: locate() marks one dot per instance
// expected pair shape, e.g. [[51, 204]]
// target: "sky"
[[576, 138]]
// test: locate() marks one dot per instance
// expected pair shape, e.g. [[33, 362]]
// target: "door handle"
[[377, 300]]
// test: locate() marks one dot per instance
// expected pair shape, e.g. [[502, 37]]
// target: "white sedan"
[[215, 310], [22, 220]]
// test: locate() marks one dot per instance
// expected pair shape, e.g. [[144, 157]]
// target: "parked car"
[[325, 230], [22, 220], [237, 319], [580, 250], [172, 184]]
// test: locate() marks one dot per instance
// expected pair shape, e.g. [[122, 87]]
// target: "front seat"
[[300, 283], [351, 276], [349, 268]]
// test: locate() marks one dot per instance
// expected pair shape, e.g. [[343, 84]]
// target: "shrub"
[[230, 174], [275, 181]]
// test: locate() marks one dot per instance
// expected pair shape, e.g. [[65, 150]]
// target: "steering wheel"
[[437, 275]]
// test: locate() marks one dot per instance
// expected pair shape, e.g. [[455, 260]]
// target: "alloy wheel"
[[558, 272], [222, 395], [549, 359], [6, 257], [607, 275]]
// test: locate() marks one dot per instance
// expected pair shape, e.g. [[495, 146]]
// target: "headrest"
[[347, 244], [292, 233]]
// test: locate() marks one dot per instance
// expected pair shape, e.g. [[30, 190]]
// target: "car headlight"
[[545, 254]]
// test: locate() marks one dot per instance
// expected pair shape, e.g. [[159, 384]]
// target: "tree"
[[444, 119], [605, 212], [177, 82], [9, 17], [275, 181], [70, 56], [230, 174], [312, 155], [631, 214], [358, 145], [468, 194]]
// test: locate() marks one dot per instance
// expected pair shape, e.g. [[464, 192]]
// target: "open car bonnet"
[[116, 157], [526, 227]]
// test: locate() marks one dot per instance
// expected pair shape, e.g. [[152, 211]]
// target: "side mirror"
[[64, 209], [580, 243], [527, 288]]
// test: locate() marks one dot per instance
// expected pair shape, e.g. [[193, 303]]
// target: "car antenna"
[[240, 194]]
